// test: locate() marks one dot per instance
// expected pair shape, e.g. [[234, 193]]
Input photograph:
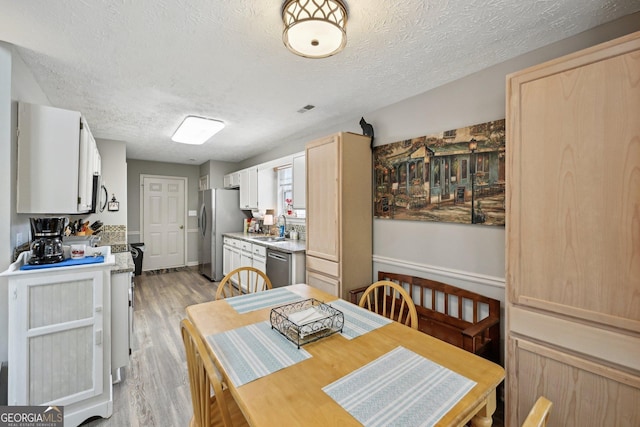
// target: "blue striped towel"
[[400, 388], [358, 320], [272, 297], [254, 351]]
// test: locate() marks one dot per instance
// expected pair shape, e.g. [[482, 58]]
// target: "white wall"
[[16, 84], [216, 171], [114, 177], [5, 188], [23, 88]]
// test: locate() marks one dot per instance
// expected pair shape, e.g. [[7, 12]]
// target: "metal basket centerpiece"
[[306, 321]]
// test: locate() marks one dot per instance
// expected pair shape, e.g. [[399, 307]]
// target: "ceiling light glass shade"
[[196, 130], [314, 28]]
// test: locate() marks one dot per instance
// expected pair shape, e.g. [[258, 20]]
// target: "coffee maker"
[[46, 246]]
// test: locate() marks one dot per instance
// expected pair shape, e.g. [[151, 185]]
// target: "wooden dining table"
[[293, 396]]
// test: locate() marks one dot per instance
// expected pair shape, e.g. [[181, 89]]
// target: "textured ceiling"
[[135, 68]]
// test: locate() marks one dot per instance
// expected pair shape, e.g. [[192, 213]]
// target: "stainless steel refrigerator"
[[219, 213]]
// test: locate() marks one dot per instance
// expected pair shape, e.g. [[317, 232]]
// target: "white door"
[[163, 220]]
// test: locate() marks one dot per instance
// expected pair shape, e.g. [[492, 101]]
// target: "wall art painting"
[[454, 176]]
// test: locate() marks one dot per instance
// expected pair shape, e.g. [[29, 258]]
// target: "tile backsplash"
[[114, 236], [300, 228]]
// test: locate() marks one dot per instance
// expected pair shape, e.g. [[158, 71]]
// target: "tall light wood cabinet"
[[573, 237], [339, 213]]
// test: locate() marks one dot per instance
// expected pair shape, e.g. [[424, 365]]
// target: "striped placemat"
[[400, 388], [358, 320], [254, 351], [256, 301]]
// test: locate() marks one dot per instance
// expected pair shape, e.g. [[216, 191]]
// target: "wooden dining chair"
[[247, 279], [539, 413], [390, 300], [212, 405]]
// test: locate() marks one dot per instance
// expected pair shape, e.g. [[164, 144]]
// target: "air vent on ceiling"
[[306, 108]]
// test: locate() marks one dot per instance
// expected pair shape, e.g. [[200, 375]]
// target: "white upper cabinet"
[[249, 188], [232, 180], [299, 181], [89, 165], [259, 185], [267, 178], [57, 158]]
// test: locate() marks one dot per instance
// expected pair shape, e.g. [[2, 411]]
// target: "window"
[[285, 194]]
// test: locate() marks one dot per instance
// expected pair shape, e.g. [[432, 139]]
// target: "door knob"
[[181, 227]]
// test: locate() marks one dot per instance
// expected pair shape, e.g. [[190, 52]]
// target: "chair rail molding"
[[467, 276]]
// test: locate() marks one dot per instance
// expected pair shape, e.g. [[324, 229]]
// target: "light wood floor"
[[155, 388]]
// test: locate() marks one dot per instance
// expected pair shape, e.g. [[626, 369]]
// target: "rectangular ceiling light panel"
[[196, 130]]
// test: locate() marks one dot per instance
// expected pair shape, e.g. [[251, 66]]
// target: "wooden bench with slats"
[[463, 318]]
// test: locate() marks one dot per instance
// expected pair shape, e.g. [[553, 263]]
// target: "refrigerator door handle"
[[202, 220]]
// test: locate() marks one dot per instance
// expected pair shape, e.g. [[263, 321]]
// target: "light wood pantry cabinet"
[[59, 337], [573, 237], [339, 213]]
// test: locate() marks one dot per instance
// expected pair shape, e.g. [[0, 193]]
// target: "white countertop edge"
[[287, 245], [14, 269]]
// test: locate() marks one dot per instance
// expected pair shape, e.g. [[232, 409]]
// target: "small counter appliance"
[[46, 244]]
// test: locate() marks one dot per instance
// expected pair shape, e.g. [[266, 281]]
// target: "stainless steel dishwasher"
[[278, 267]]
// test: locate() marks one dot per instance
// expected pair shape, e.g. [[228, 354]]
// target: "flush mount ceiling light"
[[196, 130], [314, 28]]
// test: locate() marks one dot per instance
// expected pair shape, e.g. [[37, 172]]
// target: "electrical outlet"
[[19, 240]]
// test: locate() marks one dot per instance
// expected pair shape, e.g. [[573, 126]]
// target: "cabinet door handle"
[[99, 337], [98, 309]]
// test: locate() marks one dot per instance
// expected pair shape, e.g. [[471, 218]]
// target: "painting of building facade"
[[454, 176]]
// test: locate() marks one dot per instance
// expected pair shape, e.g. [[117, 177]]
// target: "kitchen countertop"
[[109, 262], [124, 263], [287, 245]]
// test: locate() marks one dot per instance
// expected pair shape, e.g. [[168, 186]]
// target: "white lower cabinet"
[[260, 258], [60, 340], [246, 254], [241, 253], [227, 256], [231, 256], [246, 260], [120, 322]]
